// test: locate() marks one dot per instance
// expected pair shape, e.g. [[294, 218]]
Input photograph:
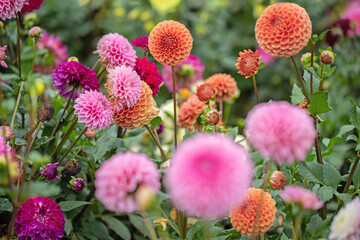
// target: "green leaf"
[[189, 134], [323, 34], [5, 205], [42, 141], [331, 176], [316, 82], [356, 176], [312, 171], [352, 137], [43, 189], [325, 193], [329, 72], [68, 226], [98, 229], [319, 103], [345, 129], [296, 95], [316, 226], [70, 205], [315, 75], [117, 226], [156, 121], [106, 143], [139, 224], [20, 142], [135, 132], [232, 132], [345, 197]]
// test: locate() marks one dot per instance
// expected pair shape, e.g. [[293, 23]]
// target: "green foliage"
[[319, 103]]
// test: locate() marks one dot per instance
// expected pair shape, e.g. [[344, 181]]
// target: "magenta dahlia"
[[50, 171], [77, 184], [70, 75], [31, 5], [3, 56], [149, 73], [94, 110], [9, 7], [142, 42], [39, 218], [115, 50]]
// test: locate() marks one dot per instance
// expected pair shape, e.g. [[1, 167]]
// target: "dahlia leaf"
[[316, 226], [331, 175], [355, 115], [316, 82], [319, 103], [356, 177], [323, 34], [98, 229], [345, 197], [156, 121], [296, 95], [139, 224], [312, 171], [70, 205], [117, 226], [5, 205], [68, 226], [42, 141], [325, 193]]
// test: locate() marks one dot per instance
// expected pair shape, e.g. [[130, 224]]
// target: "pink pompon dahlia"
[[302, 196], [39, 218], [123, 87], [208, 174], [31, 5], [280, 131], [115, 50], [94, 110], [50, 171], [119, 178], [8, 8], [3, 56], [142, 42], [74, 75], [149, 73]]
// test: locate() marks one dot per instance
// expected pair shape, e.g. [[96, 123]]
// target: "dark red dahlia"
[[149, 73], [31, 5], [340, 28]]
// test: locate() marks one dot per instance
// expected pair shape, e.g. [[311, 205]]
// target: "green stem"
[[64, 137], [33, 140], [18, 43], [17, 104], [182, 221], [163, 156], [34, 56], [351, 174], [255, 88], [149, 226], [311, 65], [170, 222], [72, 145], [175, 105], [72, 159], [300, 79]]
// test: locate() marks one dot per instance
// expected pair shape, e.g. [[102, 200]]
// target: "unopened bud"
[[327, 57], [73, 59], [305, 57], [277, 180], [213, 117], [77, 184], [72, 169], [34, 32], [1, 25], [45, 112], [205, 92], [90, 133], [174, 214], [144, 197]]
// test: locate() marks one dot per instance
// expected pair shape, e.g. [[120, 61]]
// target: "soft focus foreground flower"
[[170, 42], [70, 75], [149, 73], [277, 180], [115, 50], [9, 164], [9, 7], [283, 29], [31, 5], [248, 63], [186, 73], [189, 111], [39, 218], [353, 14], [3, 56], [346, 224], [280, 131], [224, 86], [299, 195], [118, 178], [208, 174], [6, 132], [124, 87], [265, 57], [94, 110], [142, 42], [77, 184], [50, 171], [255, 214]]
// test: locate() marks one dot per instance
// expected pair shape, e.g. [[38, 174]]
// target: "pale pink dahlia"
[[208, 174], [94, 110], [302, 196], [118, 179], [39, 218], [9, 7], [3, 56], [280, 131], [115, 50], [31, 5], [124, 87]]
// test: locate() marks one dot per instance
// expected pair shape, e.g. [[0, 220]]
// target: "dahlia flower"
[[31, 5], [34, 32], [187, 72], [115, 50], [255, 214], [9, 7], [124, 87], [70, 75], [118, 179], [6, 132], [302, 196], [205, 92], [283, 29], [224, 86], [3, 56], [142, 42], [346, 224], [189, 111], [149, 73], [353, 14], [208, 174], [280, 131], [248, 63], [277, 180], [39, 218], [170, 42], [94, 110], [265, 57], [50, 171], [9, 164], [77, 184]]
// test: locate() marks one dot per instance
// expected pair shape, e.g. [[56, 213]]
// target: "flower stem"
[[18, 43], [149, 226], [72, 159], [182, 225], [17, 104], [351, 174], [163, 156], [255, 88], [33, 140], [300, 79], [221, 107], [174, 99], [73, 144], [311, 65], [64, 137], [34, 56]]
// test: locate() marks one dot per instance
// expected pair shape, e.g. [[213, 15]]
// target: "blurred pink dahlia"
[[31, 5], [9, 7], [124, 87], [3, 56], [118, 179], [115, 50], [4, 148], [299, 195], [353, 14], [6, 132], [265, 57], [208, 174], [9, 164], [70, 75], [142, 42], [186, 73], [39, 218], [94, 110], [149, 73], [280, 131]]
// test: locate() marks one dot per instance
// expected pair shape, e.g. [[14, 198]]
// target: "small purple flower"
[[142, 42], [77, 184], [6, 132], [3, 56], [51, 171], [160, 128]]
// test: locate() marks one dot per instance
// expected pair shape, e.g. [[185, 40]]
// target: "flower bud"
[[34, 32], [6, 132], [77, 184], [72, 169], [205, 92], [327, 57], [213, 117], [144, 197], [277, 180], [45, 112], [1, 25], [90, 133], [72, 59], [305, 57], [50, 171], [174, 214]]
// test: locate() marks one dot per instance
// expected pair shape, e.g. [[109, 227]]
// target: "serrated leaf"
[[104, 144], [98, 229], [189, 134], [42, 141], [68, 226], [312, 171], [117, 226], [316, 226], [156, 121], [316, 83], [296, 95], [70, 205], [345, 197], [352, 137], [331, 175], [139, 224], [345, 129], [355, 115], [329, 72], [356, 176], [325, 193], [319, 103]]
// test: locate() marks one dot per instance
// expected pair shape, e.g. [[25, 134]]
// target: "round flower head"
[[277, 180], [189, 111], [3, 56], [70, 75], [205, 92], [170, 42], [77, 184], [31, 5], [9, 7], [142, 42], [149, 73], [302, 196], [94, 110], [50, 171], [6, 132], [118, 179], [72, 169], [265, 57], [90, 133], [45, 113], [346, 224], [208, 174], [283, 29], [124, 87], [39, 218], [115, 50], [248, 63], [140, 114], [224, 86], [280, 131], [255, 214], [34, 32]]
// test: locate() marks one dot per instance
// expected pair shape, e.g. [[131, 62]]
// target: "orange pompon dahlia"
[[170, 42], [248, 63], [255, 214], [223, 85], [283, 29], [140, 114], [189, 111]]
